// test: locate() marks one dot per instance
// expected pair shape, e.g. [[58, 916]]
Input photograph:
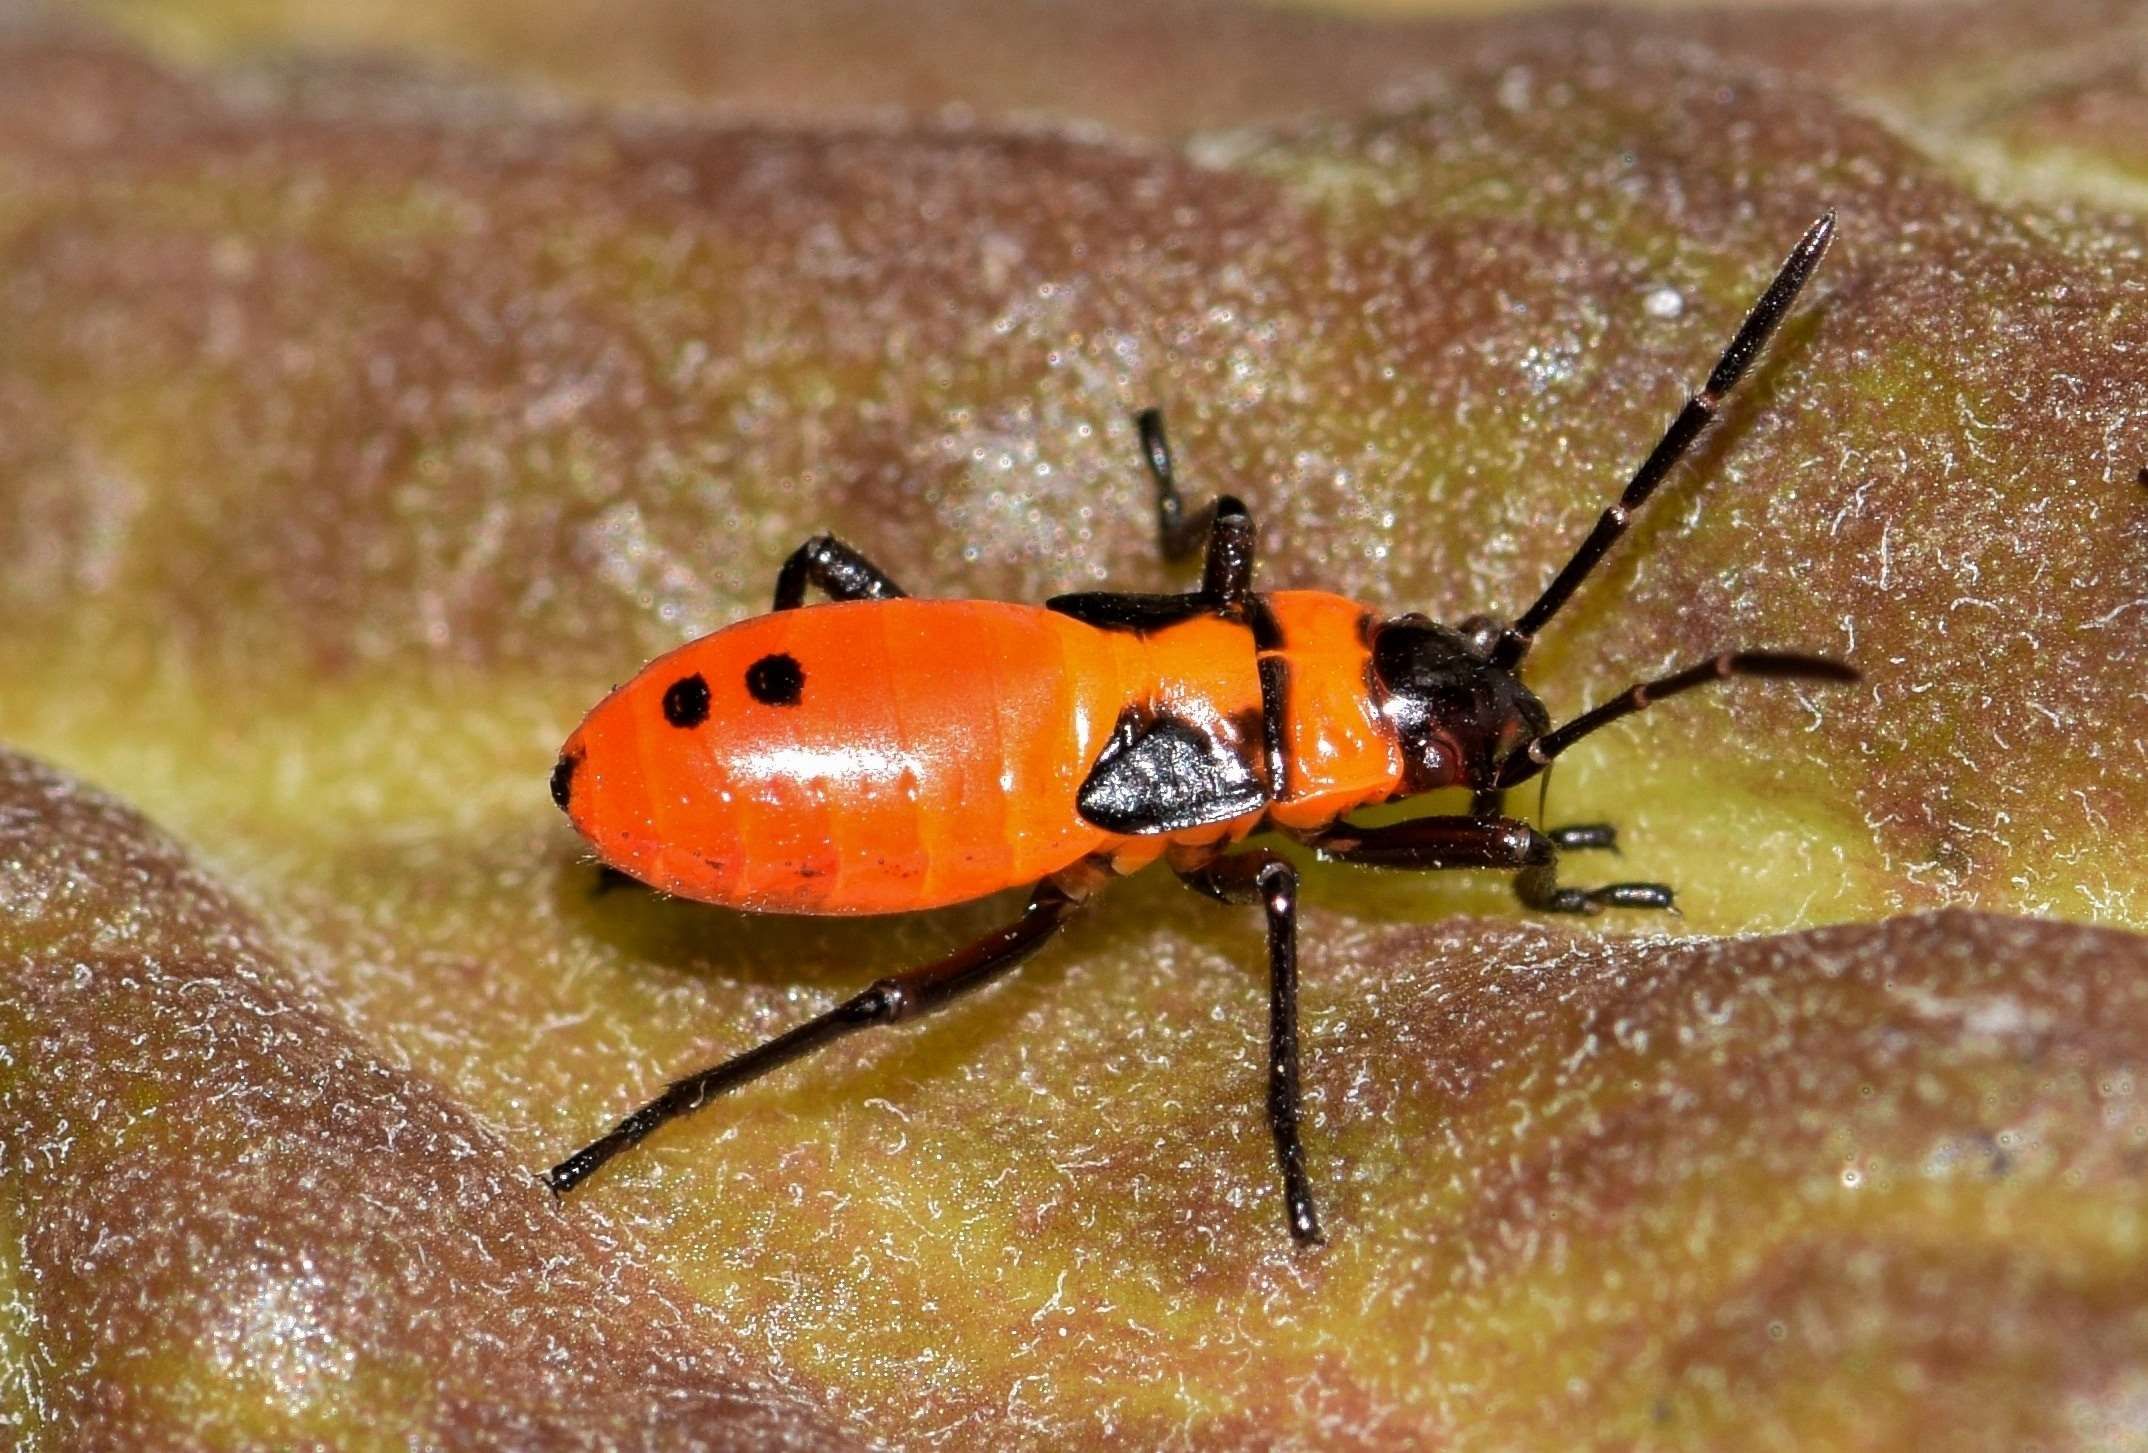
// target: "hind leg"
[[888, 1001]]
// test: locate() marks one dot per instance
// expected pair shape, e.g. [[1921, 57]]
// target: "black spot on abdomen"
[[563, 779], [686, 701], [776, 680]]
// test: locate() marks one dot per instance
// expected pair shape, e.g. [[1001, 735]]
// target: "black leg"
[[888, 1001], [1177, 533], [1539, 889], [1272, 881], [1227, 575], [1437, 842], [839, 571], [1485, 842], [1580, 836]]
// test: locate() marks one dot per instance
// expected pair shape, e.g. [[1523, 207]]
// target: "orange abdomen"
[[863, 757]]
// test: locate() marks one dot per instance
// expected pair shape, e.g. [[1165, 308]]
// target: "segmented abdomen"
[[861, 757]]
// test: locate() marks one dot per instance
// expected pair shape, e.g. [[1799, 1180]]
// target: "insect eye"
[[686, 701], [1482, 633]]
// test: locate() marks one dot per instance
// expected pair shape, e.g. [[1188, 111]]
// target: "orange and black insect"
[[879, 754]]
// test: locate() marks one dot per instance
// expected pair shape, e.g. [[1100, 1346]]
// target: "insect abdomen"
[[863, 757]]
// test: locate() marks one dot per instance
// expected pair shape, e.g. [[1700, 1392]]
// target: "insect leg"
[[1539, 888], [1227, 575], [1273, 882], [888, 1001], [1587, 836], [1486, 842], [1437, 842], [1176, 532], [839, 571]]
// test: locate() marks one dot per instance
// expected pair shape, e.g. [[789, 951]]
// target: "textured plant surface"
[[361, 421]]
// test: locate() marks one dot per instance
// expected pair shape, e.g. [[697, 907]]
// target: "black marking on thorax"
[[1160, 773], [1274, 694], [1163, 774], [1143, 615]]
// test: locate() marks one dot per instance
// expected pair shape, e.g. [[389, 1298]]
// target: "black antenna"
[[1539, 752], [1752, 336]]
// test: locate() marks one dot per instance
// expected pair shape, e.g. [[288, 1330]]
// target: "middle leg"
[[1273, 882], [1227, 574]]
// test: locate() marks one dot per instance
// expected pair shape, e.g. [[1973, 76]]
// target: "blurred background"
[[380, 382]]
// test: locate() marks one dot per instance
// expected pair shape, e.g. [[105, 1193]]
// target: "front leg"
[[1432, 843], [1574, 837], [1539, 888], [1427, 843], [1538, 884]]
